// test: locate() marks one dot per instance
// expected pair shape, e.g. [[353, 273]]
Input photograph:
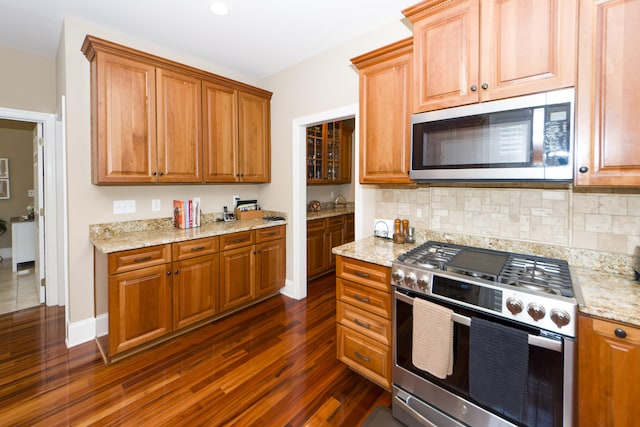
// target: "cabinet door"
[[608, 369], [607, 148], [220, 132], [385, 88], [179, 127], [124, 120], [446, 43], [334, 236], [527, 46], [349, 228], [316, 260], [195, 289], [139, 307], [270, 266], [254, 138], [237, 277]]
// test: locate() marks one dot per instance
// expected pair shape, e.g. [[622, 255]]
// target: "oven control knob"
[[560, 317], [423, 282], [536, 311], [514, 305], [410, 280], [397, 276]]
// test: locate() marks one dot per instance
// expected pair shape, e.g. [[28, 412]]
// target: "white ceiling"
[[256, 39]]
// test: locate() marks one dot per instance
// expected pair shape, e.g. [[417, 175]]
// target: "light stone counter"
[[607, 294], [326, 213], [116, 237]]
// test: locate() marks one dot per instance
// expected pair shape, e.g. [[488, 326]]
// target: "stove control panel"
[[550, 312]]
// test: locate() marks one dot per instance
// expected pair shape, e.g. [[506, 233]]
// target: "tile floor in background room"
[[17, 289]]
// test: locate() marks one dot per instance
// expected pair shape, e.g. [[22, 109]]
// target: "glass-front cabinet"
[[329, 152]]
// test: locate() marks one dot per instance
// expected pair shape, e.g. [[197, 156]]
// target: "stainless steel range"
[[523, 294]]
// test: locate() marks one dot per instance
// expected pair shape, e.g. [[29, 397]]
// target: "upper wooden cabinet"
[[151, 115], [385, 111], [236, 127], [607, 146], [179, 131], [468, 51], [329, 152]]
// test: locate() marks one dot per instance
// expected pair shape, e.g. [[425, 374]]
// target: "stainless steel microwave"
[[526, 138]]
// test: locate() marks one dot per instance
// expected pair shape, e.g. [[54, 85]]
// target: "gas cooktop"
[[527, 271]]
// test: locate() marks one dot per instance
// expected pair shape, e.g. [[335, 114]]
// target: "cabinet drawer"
[[364, 297], [134, 259], [197, 247], [366, 273], [315, 225], [237, 240], [375, 327], [335, 221], [365, 356], [608, 329], [271, 233]]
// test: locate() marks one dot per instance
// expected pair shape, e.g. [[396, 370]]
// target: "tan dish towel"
[[432, 338]]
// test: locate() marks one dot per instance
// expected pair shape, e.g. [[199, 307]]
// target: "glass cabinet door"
[[328, 148]]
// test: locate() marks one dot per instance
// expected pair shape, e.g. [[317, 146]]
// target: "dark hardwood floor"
[[273, 364]]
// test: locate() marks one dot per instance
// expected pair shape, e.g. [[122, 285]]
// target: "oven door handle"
[[534, 340]]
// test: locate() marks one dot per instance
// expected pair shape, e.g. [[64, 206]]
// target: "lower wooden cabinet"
[[363, 317], [608, 372], [323, 235], [195, 290], [159, 291], [140, 307]]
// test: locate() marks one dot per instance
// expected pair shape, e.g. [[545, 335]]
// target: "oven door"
[[421, 396]]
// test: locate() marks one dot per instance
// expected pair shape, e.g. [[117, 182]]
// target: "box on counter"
[[248, 214]]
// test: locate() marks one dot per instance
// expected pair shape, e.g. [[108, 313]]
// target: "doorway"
[[49, 189], [363, 195]]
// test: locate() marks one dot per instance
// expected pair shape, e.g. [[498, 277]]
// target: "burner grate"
[[430, 255], [543, 274]]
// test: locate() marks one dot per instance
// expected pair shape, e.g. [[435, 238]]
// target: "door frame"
[[364, 196], [54, 200]]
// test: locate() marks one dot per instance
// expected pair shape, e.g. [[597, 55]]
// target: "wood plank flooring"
[[273, 364]]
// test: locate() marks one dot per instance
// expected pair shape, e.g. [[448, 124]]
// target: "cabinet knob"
[[620, 333], [176, 272], [161, 173], [154, 173], [168, 273], [583, 169], [485, 86], [474, 88]]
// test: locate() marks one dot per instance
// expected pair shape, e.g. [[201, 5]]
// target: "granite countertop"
[[326, 213], [599, 293], [106, 240]]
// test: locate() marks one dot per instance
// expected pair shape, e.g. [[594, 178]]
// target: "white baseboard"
[[81, 332], [5, 253], [102, 325], [291, 290]]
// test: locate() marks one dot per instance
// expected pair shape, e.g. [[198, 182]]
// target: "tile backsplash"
[[606, 221]]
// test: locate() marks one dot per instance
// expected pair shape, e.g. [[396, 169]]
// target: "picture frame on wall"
[[4, 189], [4, 168]]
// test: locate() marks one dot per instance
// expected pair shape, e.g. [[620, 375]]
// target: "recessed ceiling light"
[[219, 8]]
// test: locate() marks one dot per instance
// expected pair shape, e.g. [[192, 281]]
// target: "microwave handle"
[[534, 340], [537, 136]]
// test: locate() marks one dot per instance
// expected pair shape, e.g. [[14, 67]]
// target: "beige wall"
[[27, 82], [91, 204], [16, 144]]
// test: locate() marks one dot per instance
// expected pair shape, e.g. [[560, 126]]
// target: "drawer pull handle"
[[240, 240], [360, 273], [363, 324], [362, 299], [620, 333], [273, 233], [361, 357], [199, 248], [142, 259]]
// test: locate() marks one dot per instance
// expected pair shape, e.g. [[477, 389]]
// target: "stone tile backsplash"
[[605, 221]]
